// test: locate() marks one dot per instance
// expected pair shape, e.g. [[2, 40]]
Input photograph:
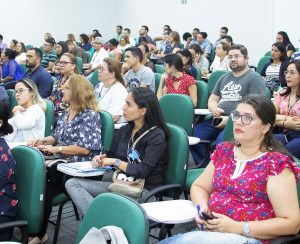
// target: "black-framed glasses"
[[245, 118], [20, 91], [63, 63]]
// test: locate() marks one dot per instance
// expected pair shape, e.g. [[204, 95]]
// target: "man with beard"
[[143, 32], [228, 91], [37, 73]]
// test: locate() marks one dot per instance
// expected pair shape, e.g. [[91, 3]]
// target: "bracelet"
[[246, 229], [283, 123]]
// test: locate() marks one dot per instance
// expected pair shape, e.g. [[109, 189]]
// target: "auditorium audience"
[[221, 59], [71, 37], [21, 53], [223, 32], [143, 32], [113, 49], [126, 32], [77, 51], [61, 48], [145, 136], [244, 187], [187, 60], [124, 42], [8, 196], [175, 80], [283, 37], [28, 118], [84, 42], [173, 42], [199, 61], [146, 62], [13, 44]]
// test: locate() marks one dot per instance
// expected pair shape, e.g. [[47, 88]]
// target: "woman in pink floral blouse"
[[250, 186]]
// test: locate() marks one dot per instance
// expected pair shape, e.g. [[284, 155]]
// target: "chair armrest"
[[176, 188], [285, 239], [22, 225]]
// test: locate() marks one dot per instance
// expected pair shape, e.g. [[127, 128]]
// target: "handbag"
[[129, 185], [272, 83]]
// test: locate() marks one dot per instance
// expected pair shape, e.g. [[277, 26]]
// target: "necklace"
[[102, 96]]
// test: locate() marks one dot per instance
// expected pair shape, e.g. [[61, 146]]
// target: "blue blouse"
[[84, 130], [8, 194], [12, 69]]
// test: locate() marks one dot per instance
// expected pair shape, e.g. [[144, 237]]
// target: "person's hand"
[[107, 161], [217, 112], [35, 143], [48, 148], [125, 68], [223, 223], [176, 49], [87, 71], [189, 40], [293, 123], [197, 57], [199, 221], [18, 109], [96, 162], [223, 122]]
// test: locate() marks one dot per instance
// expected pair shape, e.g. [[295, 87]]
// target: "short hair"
[[84, 37], [146, 27], [97, 33], [6, 127], [174, 60], [120, 26], [196, 29], [50, 40], [225, 46], [114, 42], [228, 38], [82, 93], [225, 29], [115, 66], [203, 34], [11, 54], [196, 48], [240, 47], [71, 37], [38, 52], [127, 29], [1, 37], [136, 52], [281, 47], [186, 35], [168, 27]]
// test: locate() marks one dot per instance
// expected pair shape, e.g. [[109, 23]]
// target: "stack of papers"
[[80, 167], [171, 212]]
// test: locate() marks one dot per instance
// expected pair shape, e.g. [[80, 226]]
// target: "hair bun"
[[7, 129]]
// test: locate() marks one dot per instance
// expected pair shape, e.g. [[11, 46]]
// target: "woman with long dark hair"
[[283, 37]]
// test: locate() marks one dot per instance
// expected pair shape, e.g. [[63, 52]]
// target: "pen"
[[200, 216]]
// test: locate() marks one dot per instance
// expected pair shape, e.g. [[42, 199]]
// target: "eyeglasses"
[[237, 56], [292, 72], [245, 118], [101, 69], [20, 91], [63, 63]]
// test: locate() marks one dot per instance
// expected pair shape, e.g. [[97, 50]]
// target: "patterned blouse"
[[84, 130], [283, 101], [8, 194], [56, 96], [185, 82], [245, 197]]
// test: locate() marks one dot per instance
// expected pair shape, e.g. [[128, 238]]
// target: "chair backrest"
[[107, 129], [31, 186], [261, 63], [178, 155], [157, 80], [88, 56], [212, 55], [12, 101], [160, 68], [213, 78], [94, 79], [49, 117], [268, 53], [29, 46], [202, 94], [228, 130], [79, 64], [178, 109], [24, 68], [198, 74], [117, 210]]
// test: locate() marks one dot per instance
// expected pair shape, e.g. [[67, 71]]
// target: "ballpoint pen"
[[200, 216]]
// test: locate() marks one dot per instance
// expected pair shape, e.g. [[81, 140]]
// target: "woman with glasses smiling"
[[288, 110], [244, 187], [28, 118]]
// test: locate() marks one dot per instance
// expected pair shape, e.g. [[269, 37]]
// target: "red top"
[[185, 82]]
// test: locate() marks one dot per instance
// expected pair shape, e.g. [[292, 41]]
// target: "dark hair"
[[73, 60], [146, 28], [203, 34], [136, 52], [225, 29], [120, 26], [174, 60], [127, 29], [240, 47], [64, 46], [266, 112], [1, 37], [168, 27], [38, 52], [145, 98], [186, 35], [14, 41], [50, 41], [23, 49], [186, 53], [280, 46], [84, 37], [197, 48], [6, 128], [97, 33], [114, 42], [288, 89], [285, 37], [115, 66], [11, 54], [196, 29], [142, 40], [145, 47], [228, 38]]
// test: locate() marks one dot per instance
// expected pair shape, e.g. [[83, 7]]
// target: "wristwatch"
[[117, 163], [246, 230], [60, 148]]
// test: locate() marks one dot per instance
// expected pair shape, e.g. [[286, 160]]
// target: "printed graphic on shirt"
[[133, 83], [231, 92]]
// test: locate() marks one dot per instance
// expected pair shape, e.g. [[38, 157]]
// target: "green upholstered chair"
[[12, 101], [268, 53], [95, 80], [160, 68], [24, 68], [261, 63], [31, 186], [49, 118], [107, 129], [79, 64], [88, 56], [178, 109], [157, 80], [213, 78], [29, 46], [198, 75], [202, 94], [116, 210]]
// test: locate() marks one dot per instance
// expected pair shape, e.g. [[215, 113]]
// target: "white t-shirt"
[[112, 99], [218, 65], [21, 59], [28, 125], [98, 57]]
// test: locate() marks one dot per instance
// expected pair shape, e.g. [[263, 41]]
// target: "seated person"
[[124, 42], [283, 37], [61, 48], [8, 196], [187, 60], [175, 80], [245, 184], [11, 70], [113, 49], [84, 42], [276, 67], [77, 51], [28, 118], [288, 110], [49, 55], [76, 137], [4, 96], [221, 59], [111, 92], [21, 53], [146, 62], [199, 61], [143, 114], [173, 42]]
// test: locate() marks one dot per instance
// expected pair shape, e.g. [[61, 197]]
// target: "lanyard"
[[100, 96], [291, 106]]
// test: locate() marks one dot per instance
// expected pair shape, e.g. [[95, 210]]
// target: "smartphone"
[[216, 121], [207, 216]]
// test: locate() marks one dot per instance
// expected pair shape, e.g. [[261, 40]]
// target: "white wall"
[[253, 23]]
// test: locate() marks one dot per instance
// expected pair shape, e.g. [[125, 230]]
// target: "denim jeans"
[[205, 131], [207, 237], [292, 146]]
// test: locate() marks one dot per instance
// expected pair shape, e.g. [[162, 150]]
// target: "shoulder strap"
[[141, 136]]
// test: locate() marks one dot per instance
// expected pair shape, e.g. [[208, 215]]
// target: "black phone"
[[207, 216], [216, 121]]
